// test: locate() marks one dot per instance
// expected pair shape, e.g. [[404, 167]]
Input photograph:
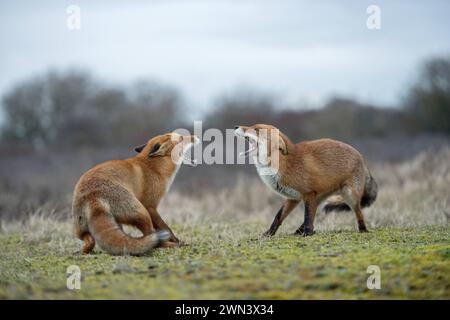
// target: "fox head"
[[267, 140], [171, 146]]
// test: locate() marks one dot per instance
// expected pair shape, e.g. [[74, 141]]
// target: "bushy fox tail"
[[111, 238], [337, 203]]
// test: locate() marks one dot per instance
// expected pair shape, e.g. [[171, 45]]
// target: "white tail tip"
[[163, 235]]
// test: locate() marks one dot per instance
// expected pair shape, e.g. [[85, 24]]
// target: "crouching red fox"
[[310, 171], [128, 192]]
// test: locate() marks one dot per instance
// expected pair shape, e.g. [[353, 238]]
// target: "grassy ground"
[[226, 258], [232, 262]]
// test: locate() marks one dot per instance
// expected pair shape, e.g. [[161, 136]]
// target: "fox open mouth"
[[189, 162], [253, 145], [186, 155]]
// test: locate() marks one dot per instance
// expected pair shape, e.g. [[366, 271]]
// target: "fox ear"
[[160, 149], [139, 149], [283, 146], [154, 150]]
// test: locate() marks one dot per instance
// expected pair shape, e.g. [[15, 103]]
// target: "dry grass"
[[226, 258], [411, 194]]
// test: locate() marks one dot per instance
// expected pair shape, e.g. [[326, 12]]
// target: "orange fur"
[[128, 192], [312, 171]]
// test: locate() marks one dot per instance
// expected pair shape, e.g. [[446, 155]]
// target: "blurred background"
[[71, 98]]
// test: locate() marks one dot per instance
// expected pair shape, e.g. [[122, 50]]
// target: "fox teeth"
[[246, 153], [190, 162]]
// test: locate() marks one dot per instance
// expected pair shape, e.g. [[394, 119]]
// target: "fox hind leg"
[[360, 218], [353, 200], [89, 243], [140, 221]]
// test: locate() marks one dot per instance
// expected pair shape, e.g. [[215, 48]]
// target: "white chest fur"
[[273, 181], [171, 178]]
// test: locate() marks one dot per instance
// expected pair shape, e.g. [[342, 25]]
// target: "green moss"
[[238, 264]]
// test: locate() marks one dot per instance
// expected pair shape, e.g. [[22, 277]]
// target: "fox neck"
[[163, 167], [272, 176], [261, 158], [176, 168], [275, 182], [171, 178]]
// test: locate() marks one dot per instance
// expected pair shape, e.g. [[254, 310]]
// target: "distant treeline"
[[73, 109]]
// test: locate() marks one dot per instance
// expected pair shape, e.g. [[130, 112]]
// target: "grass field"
[[232, 262], [225, 256]]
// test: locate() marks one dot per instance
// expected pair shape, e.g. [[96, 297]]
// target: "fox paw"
[[268, 233], [304, 233], [169, 244]]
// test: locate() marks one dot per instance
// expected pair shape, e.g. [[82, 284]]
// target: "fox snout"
[[239, 131], [245, 132], [191, 139], [182, 154], [195, 139]]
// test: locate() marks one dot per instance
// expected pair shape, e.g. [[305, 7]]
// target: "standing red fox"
[[310, 171], [128, 192]]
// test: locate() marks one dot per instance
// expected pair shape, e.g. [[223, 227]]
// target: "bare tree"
[[152, 108], [428, 100], [72, 109], [244, 107]]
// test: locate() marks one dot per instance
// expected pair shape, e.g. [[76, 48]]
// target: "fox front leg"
[[282, 213], [160, 224], [300, 230], [307, 227]]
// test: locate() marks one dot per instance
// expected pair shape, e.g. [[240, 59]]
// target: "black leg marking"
[[300, 230], [362, 226], [275, 224], [306, 229]]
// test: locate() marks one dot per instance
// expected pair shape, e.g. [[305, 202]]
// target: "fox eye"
[[155, 148]]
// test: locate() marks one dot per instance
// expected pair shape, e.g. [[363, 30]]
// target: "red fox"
[[128, 192], [310, 171]]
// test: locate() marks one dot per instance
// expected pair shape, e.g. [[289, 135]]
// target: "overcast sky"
[[296, 50]]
